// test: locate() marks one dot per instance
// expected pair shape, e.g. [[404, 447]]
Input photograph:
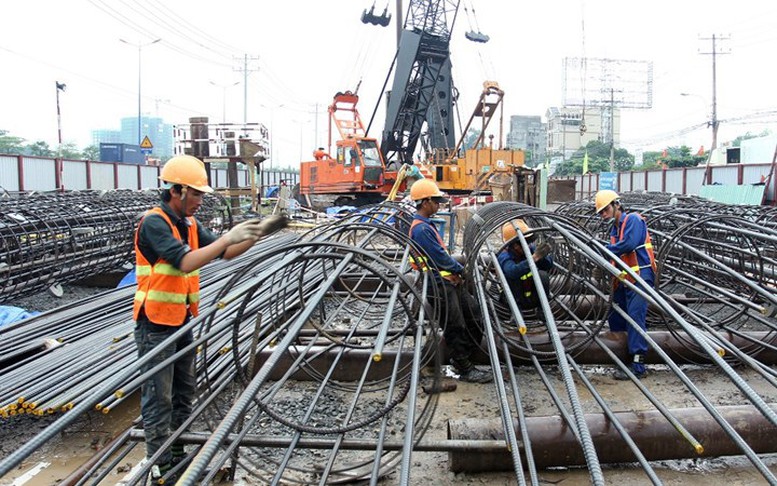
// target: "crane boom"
[[422, 87]]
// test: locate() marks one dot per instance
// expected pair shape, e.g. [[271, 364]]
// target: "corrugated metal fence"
[[681, 180], [22, 173]]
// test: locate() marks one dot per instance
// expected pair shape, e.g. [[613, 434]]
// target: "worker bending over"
[[170, 248], [461, 332], [630, 241], [515, 264]]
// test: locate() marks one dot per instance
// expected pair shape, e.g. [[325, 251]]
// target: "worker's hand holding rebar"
[[542, 250], [273, 223], [247, 230]]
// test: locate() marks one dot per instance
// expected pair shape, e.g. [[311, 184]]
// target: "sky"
[[299, 53]]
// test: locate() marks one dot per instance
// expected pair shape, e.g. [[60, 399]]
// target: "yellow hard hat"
[[604, 198], [510, 229], [187, 171], [424, 189]]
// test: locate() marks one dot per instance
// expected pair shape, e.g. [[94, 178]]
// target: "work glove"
[[542, 250], [247, 230], [273, 223]]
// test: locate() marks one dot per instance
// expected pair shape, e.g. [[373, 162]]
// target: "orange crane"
[[356, 173]]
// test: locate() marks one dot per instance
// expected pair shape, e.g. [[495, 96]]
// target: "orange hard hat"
[[187, 171], [510, 229], [604, 198], [425, 189]]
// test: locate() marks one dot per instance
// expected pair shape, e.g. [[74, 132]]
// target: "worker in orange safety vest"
[[170, 248]]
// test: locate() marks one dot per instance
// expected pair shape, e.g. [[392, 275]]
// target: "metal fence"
[[22, 173], [681, 180]]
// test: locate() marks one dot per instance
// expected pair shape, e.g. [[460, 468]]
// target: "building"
[[569, 129], [530, 134], [158, 132], [105, 136]]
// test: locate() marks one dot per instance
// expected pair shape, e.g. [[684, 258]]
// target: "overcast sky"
[[303, 51]]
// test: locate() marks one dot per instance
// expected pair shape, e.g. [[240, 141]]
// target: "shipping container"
[[122, 152]]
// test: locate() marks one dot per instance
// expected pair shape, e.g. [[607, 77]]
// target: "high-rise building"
[[159, 133], [105, 136], [528, 133], [570, 129]]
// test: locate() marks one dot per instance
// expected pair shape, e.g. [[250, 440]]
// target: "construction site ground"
[[67, 452]]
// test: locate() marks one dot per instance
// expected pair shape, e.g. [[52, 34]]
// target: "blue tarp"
[[128, 279], [271, 191], [9, 314], [335, 210]]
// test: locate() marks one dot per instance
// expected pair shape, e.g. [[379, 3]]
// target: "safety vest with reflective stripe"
[[630, 258], [165, 292], [420, 262]]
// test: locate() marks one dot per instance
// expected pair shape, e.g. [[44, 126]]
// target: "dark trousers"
[[460, 316], [167, 397]]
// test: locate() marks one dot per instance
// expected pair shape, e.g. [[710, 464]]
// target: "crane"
[[422, 89]]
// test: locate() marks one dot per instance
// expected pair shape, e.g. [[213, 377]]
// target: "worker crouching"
[[515, 265]]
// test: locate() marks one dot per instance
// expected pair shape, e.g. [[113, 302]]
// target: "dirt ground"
[[65, 453]]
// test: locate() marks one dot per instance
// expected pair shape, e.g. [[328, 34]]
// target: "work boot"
[[469, 372], [621, 375], [474, 375]]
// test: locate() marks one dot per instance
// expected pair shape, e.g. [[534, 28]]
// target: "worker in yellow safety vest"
[[630, 241], [170, 248], [461, 331]]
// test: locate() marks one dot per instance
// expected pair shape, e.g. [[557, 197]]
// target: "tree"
[[91, 152], [10, 144], [598, 160], [39, 148], [71, 151]]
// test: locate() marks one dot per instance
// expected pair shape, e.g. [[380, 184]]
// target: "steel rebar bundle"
[[49, 239], [310, 349]]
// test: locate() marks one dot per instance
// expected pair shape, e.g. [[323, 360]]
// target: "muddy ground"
[[66, 452]]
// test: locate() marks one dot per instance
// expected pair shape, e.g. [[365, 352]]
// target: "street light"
[[140, 47], [224, 98]]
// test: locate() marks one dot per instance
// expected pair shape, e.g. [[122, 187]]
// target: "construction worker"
[[515, 264], [630, 241], [461, 331], [170, 248]]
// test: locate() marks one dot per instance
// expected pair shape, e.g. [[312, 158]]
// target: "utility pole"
[[60, 163], [612, 130], [245, 70], [714, 123]]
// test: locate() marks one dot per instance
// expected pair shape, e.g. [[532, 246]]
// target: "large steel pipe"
[[553, 444]]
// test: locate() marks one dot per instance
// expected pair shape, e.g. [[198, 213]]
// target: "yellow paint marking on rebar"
[[377, 357]]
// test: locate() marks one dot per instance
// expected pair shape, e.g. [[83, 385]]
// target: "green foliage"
[[39, 148], [16, 146], [675, 157], [598, 160], [92, 152], [10, 144]]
